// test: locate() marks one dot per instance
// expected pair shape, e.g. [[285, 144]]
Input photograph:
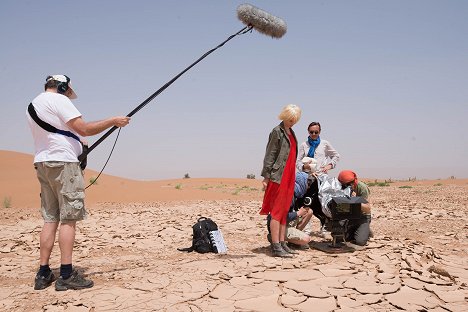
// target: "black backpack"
[[201, 241]]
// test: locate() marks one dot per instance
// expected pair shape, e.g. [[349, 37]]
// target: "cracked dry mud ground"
[[417, 260]]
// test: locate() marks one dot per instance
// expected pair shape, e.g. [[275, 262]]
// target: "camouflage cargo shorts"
[[62, 191]]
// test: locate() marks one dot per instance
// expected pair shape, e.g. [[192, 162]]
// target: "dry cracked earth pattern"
[[416, 261]]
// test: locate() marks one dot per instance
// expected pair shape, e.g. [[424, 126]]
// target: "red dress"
[[278, 197]]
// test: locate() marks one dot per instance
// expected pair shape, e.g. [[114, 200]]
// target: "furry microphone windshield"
[[261, 21]]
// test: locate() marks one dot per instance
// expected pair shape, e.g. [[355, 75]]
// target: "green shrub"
[[438, 184], [93, 180], [378, 184], [7, 202], [178, 186], [405, 186]]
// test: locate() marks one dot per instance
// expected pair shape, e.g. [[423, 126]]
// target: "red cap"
[[347, 176]]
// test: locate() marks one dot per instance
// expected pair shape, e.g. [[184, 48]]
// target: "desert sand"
[[416, 261]]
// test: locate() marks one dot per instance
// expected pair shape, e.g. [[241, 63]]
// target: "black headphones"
[[62, 87]]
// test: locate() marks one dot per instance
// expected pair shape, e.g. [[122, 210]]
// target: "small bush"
[[251, 176], [186, 176], [178, 186], [92, 181], [7, 202], [438, 184], [378, 184], [405, 186]]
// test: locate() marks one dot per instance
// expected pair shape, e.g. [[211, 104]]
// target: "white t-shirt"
[[55, 109]]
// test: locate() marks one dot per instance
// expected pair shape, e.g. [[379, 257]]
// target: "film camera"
[[344, 210]]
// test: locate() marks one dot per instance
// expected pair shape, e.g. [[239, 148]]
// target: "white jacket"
[[324, 154]]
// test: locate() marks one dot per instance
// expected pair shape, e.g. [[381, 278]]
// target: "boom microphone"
[[261, 21], [250, 15]]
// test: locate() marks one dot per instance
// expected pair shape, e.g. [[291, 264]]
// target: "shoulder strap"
[[48, 127]]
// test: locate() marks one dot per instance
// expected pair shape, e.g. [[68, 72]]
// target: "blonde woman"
[[279, 168]]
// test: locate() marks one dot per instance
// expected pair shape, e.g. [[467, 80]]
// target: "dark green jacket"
[[277, 152]]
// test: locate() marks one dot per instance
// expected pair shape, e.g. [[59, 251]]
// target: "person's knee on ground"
[[300, 242], [360, 242], [361, 233], [297, 237]]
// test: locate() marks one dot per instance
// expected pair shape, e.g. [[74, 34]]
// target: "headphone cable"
[[110, 154]]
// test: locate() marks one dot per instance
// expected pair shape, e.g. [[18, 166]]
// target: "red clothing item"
[[278, 197], [348, 176]]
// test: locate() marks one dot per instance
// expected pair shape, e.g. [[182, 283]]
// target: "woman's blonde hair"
[[290, 112]]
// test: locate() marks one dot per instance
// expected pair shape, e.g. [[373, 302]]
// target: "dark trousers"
[[359, 230]]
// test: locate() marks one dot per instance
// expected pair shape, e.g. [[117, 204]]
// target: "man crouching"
[[358, 230]]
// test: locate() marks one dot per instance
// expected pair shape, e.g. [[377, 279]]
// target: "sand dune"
[[18, 182], [19, 185]]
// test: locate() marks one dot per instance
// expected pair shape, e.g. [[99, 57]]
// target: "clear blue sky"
[[388, 80]]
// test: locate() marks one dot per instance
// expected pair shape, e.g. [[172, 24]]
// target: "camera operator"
[[359, 230]]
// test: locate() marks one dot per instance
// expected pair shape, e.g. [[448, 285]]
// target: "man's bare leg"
[[66, 241], [47, 240]]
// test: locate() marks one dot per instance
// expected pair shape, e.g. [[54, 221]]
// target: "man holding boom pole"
[[56, 127]]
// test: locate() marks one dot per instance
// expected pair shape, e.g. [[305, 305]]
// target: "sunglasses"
[[314, 132]]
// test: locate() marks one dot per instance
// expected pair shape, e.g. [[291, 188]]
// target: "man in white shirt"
[[60, 176]]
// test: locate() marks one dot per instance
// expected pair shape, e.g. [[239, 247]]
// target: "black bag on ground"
[[201, 241]]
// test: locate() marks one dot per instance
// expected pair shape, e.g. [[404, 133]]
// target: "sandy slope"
[[19, 183]]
